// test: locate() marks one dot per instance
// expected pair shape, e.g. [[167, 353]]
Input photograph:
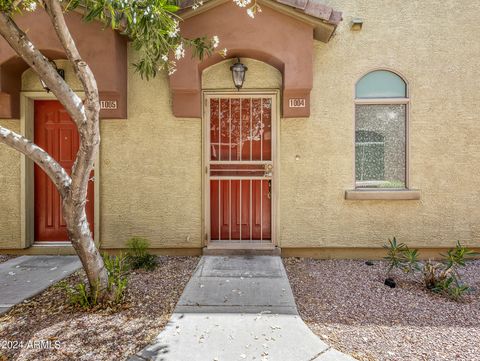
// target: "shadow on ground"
[[238, 308]]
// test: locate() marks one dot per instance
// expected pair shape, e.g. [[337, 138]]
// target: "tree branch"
[[89, 130], [50, 166], [22, 45], [16, 4], [82, 70]]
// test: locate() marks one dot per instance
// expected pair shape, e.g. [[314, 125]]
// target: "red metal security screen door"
[[240, 168], [55, 132]]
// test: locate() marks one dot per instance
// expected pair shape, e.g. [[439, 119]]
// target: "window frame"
[[383, 101]]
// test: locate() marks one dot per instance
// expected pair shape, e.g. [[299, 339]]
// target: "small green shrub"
[[457, 292], [395, 257], [440, 277], [410, 260], [456, 257], [117, 269], [81, 296], [138, 256]]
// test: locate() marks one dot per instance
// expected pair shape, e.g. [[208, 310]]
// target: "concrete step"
[[218, 251]]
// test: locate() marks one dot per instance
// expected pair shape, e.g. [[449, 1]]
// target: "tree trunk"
[[82, 241], [74, 211], [85, 114]]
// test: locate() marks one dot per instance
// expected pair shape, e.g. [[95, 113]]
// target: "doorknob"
[[268, 170]]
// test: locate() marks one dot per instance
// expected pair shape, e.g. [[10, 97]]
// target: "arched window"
[[381, 100]]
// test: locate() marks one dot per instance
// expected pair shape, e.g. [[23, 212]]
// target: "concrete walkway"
[[27, 276], [238, 308]]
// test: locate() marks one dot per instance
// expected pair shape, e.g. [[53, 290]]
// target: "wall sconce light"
[[356, 24], [238, 73], [60, 72]]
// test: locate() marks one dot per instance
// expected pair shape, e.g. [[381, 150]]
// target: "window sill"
[[394, 195]]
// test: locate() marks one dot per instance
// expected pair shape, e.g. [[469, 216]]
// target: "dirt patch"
[[70, 334], [346, 303]]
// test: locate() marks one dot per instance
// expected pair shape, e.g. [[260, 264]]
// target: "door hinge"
[[206, 169], [206, 236]]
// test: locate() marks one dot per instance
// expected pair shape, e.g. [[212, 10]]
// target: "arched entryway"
[[104, 50], [282, 36], [240, 140]]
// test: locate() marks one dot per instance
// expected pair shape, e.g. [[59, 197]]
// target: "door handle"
[[268, 170]]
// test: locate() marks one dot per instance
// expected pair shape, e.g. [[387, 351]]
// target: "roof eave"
[[323, 29]]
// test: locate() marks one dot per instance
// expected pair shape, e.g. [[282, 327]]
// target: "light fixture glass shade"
[[238, 74]]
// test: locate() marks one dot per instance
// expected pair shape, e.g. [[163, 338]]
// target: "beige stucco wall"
[[9, 192], [433, 44], [150, 164], [151, 173]]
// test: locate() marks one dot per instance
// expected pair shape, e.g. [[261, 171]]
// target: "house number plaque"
[[297, 103], [108, 104]]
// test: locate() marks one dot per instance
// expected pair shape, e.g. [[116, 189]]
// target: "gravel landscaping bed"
[[346, 304], [97, 335]]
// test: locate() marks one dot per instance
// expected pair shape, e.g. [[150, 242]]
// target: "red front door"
[[56, 133], [240, 169]]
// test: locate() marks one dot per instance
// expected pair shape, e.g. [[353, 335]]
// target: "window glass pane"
[[380, 146], [381, 84]]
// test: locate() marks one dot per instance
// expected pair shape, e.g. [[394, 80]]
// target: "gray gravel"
[[5, 257], [346, 303], [96, 335]]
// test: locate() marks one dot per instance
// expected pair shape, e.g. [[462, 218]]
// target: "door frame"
[[274, 94], [27, 180]]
